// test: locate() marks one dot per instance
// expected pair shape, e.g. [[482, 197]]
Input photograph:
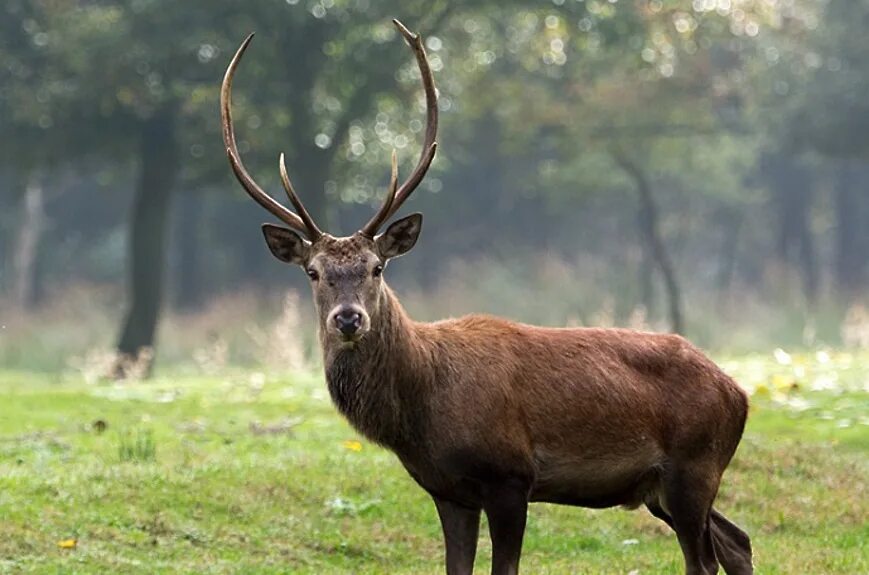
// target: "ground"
[[253, 473]]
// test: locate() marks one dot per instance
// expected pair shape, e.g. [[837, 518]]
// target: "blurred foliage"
[[538, 100]]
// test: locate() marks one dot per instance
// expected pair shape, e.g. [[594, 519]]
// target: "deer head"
[[345, 272]]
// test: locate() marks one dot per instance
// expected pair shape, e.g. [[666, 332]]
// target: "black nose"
[[348, 321]]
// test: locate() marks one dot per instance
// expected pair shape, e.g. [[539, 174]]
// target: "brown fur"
[[533, 401], [590, 417]]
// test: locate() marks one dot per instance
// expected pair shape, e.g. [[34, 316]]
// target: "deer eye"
[[378, 270], [312, 273]]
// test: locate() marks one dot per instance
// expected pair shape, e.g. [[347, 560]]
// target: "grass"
[[253, 473]]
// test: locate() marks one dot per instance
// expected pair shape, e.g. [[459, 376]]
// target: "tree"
[[31, 105], [579, 85], [832, 118]]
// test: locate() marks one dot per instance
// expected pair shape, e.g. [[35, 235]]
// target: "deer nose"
[[348, 321]]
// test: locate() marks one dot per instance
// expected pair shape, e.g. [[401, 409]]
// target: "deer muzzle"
[[350, 322]]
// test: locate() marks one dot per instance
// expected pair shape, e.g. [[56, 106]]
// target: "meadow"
[[247, 471]]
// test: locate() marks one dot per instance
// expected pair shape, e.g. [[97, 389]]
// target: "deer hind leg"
[[688, 493], [732, 545]]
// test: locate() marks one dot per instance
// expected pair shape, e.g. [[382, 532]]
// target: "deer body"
[[487, 414], [460, 401]]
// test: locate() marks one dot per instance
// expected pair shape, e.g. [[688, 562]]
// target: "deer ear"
[[399, 237], [286, 245]]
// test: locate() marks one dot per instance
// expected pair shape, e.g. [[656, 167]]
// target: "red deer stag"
[[487, 414]]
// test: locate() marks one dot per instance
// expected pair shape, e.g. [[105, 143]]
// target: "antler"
[[395, 199], [304, 223], [383, 213], [312, 229], [396, 196]]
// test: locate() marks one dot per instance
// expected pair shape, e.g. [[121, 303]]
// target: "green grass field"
[[252, 473]]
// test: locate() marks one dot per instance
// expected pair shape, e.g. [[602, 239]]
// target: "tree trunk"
[[792, 188], [731, 233], [188, 287], [650, 231], [26, 254], [807, 257], [850, 258], [147, 240], [647, 270]]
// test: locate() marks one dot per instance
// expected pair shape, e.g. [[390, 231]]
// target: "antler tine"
[[256, 192], [311, 228], [371, 227], [429, 146]]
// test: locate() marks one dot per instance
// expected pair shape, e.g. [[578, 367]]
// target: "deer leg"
[[506, 506], [688, 496], [732, 545], [461, 527]]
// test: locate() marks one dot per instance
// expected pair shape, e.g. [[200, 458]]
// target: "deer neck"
[[379, 383]]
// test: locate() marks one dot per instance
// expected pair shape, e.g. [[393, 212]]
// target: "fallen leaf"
[[352, 445], [68, 543]]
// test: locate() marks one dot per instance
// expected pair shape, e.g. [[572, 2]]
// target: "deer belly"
[[596, 480]]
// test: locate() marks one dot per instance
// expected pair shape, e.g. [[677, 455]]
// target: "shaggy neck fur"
[[378, 384]]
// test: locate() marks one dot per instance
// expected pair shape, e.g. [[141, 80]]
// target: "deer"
[[489, 415]]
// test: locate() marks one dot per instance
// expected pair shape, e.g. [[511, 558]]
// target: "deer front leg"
[[506, 506], [461, 527]]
